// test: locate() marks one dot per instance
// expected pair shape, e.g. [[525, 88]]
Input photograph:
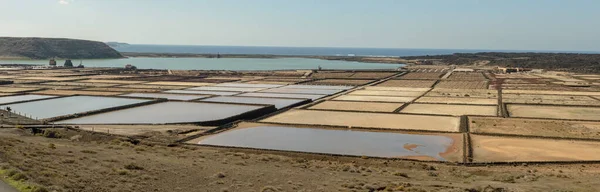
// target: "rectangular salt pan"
[[278, 102], [202, 92], [239, 89], [283, 95], [69, 105], [19, 98], [318, 87], [257, 85], [167, 96], [301, 91], [166, 112], [342, 142]]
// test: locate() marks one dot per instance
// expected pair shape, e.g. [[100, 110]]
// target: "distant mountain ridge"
[[46, 48]]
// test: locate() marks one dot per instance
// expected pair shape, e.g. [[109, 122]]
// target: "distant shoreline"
[[362, 59]]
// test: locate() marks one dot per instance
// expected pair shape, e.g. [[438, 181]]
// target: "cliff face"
[[46, 48]]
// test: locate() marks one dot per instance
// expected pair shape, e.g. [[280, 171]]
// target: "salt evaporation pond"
[[69, 105], [283, 95], [19, 98], [318, 87], [257, 85], [166, 112], [166, 96], [342, 142], [278, 102], [215, 88], [301, 91], [202, 92]]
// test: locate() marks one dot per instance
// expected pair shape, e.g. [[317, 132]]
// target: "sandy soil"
[[5, 94], [16, 89], [357, 106], [417, 75], [462, 85], [269, 82], [510, 149], [17, 81], [106, 163], [326, 75], [387, 93], [52, 74], [290, 80], [132, 130], [39, 86], [117, 89], [554, 112], [351, 82], [548, 97], [372, 75], [73, 92], [568, 100], [517, 76], [535, 127], [470, 76], [142, 86], [112, 81], [407, 83], [458, 100], [456, 110], [108, 76], [54, 78], [8, 76], [479, 93], [175, 83], [368, 120], [80, 84], [559, 77], [396, 89], [374, 98]]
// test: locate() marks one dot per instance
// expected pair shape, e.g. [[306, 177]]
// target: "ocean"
[[253, 63], [234, 64], [322, 51]]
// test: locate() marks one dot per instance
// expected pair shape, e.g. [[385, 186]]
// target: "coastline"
[[362, 59]]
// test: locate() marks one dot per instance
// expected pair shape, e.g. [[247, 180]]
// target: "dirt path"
[[6, 188]]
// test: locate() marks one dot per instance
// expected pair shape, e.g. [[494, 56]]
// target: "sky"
[[567, 25]]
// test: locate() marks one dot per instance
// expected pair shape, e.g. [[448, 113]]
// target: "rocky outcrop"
[[46, 48]]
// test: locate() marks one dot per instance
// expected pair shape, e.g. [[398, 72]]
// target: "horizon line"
[[466, 49]]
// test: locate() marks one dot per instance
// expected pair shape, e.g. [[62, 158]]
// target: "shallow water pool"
[[343, 142], [166, 112], [180, 97], [69, 105], [18, 98], [278, 102]]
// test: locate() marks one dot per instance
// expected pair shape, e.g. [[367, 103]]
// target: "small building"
[[52, 63], [130, 67], [68, 63]]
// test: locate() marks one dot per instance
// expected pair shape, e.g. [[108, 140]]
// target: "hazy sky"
[[468, 24]]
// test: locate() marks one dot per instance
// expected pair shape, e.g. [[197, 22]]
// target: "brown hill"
[[46, 48]]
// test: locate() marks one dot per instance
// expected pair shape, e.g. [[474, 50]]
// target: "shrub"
[[88, 151], [19, 177], [132, 166], [11, 172], [51, 134]]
